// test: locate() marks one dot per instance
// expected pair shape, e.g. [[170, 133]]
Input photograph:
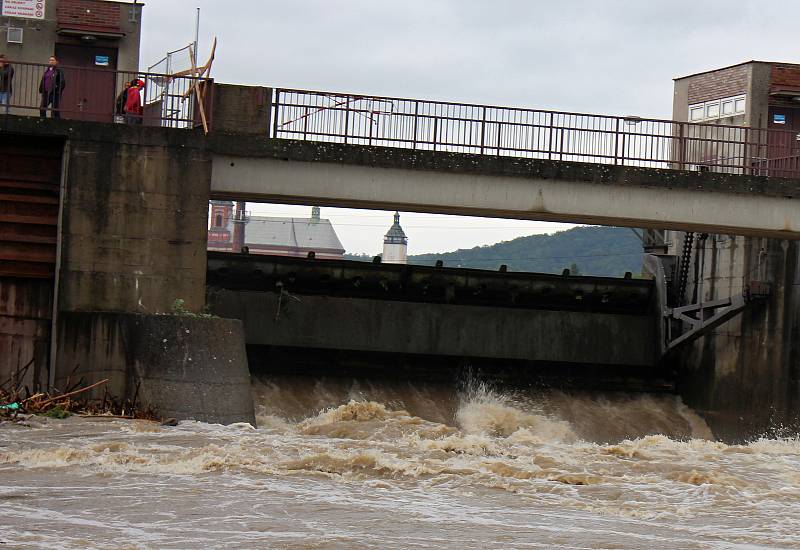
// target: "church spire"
[[395, 235], [395, 243]]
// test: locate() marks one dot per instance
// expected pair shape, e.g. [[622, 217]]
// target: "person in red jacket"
[[133, 103]]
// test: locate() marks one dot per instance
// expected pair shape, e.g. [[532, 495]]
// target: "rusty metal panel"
[[26, 307], [30, 174]]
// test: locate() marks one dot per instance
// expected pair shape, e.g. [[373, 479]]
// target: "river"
[[358, 464]]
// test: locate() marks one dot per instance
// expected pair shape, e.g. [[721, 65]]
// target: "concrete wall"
[[758, 95], [135, 220], [745, 376], [242, 109], [185, 367], [440, 329]]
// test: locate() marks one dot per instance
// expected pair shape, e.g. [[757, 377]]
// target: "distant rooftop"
[[301, 233], [736, 65]]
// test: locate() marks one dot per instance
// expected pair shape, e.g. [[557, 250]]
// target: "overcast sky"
[[594, 56]]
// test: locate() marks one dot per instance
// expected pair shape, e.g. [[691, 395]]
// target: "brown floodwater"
[[359, 464]]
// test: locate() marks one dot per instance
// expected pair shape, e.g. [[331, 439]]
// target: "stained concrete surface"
[[185, 367]]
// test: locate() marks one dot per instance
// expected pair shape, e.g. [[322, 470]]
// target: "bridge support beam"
[[503, 187]]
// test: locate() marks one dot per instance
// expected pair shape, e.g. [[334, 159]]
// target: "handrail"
[[91, 94], [532, 133]]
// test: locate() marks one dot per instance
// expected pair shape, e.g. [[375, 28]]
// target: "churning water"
[[354, 464]]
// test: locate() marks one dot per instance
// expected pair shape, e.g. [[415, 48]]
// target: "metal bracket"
[[701, 318], [705, 316]]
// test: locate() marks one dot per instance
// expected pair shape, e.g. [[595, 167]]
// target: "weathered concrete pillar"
[[186, 367], [745, 376], [241, 109], [135, 217]]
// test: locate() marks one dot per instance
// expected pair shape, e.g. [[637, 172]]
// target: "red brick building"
[[231, 228]]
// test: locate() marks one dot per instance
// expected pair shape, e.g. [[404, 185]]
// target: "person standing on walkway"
[[51, 87], [6, 83], [122, 99], [133, 105]]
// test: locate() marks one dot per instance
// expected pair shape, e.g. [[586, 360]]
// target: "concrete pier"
[[184, 367]]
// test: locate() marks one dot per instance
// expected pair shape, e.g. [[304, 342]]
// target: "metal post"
[[616, 141], [681, 146], [499, 129], [276, 110], [416, 119], [305, 124], [435, 131], [346, 119], [196, 36], [550, 138], [483, 129]]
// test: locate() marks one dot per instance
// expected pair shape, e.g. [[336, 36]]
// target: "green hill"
[[594, 250]]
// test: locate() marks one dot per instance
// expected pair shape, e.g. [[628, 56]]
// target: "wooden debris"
[[16, 401]]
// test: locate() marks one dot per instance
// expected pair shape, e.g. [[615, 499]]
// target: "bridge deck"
[[360, 176]]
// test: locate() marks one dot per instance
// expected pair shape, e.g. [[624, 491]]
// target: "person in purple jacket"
[[6, 83], [51, 87]]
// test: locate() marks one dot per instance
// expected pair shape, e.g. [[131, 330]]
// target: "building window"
[[727, 107], [718, 108], [218, 221]]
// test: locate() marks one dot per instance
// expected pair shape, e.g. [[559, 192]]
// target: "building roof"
[[395, 235], [305, 233], [735, 65]]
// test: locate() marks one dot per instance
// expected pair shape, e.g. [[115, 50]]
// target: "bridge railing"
[[532, 133], [91, 93]]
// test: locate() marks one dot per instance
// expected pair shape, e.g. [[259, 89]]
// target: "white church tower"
[[395, 244]]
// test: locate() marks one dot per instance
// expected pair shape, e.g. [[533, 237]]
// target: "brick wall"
[[718, 84], [785, 76], [89, 15]]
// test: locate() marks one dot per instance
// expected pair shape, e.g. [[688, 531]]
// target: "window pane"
[[740, 104], [727, 107], [696, 113], [712, 110]]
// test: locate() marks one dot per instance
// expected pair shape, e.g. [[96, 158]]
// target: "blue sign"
[[101, 60], [778, 119]]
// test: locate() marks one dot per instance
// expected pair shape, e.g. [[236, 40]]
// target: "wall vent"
[[15, 35]]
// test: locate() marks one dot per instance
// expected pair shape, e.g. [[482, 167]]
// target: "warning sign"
[[28, 9]]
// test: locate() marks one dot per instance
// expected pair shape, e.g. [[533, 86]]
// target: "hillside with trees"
[[590, 250]]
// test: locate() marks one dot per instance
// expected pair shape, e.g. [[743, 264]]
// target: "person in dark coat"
[[122, 99], [51, 87], [6, 83]]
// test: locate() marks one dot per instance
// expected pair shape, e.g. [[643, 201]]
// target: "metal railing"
[[531, 133], [91, 94]]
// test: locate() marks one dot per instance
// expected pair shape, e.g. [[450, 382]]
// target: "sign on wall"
[[28, 9]]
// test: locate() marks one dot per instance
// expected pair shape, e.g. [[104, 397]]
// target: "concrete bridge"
[[126, 225], [387, 153], [360, 176]]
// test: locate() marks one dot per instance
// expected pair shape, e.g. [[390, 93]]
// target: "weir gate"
[[124, 240], [337, 317]]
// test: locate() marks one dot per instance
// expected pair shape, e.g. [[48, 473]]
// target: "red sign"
[[28, 9]]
